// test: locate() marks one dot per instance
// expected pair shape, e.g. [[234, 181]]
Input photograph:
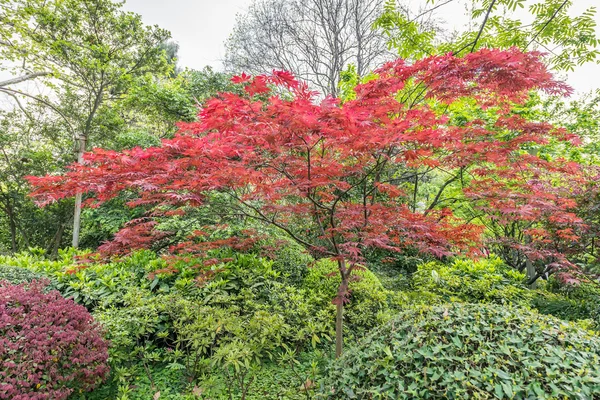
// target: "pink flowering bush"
[[50, 347]]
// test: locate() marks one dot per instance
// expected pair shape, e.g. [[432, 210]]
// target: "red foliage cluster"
[[351, 172], [49, 346]]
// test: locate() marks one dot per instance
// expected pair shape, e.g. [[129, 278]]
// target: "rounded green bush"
[[292, 262], [368, 304], [17, 275], [488, 280], [469, 351]]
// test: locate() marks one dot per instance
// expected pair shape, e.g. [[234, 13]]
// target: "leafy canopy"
[[551, 26]]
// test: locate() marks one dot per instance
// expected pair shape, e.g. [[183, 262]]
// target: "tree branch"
[[487, 14], [64, 117], [547, 23], [23, 78]]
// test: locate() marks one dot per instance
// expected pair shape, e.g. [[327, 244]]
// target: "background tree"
[[582, 117], [141, 118], [315, 39], [31, 143], [569, 41], [88, 51], [548, 26]]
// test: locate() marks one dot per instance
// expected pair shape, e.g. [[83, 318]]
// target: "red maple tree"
[[342, 177]]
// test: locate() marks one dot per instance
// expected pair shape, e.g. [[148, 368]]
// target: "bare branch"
[[314, 39]]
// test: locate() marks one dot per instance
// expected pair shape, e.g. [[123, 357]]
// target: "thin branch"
[[23, 78], [430, 10], [27, 113], [39, 99], [262, 217], [487, 14], [439, 193], [547, 23], [474, 43]]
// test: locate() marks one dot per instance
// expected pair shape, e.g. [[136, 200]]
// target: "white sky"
[[202, 26], [199, 26]]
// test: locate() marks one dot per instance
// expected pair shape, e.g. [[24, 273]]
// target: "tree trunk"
[[78, 196], [531, 274], [339, 318], [530, 268], [9, 211], [55, 244], [339, 329], [23, 234], [13, 230]]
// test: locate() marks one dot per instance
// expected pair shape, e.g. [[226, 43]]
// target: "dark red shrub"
[[50, 347]]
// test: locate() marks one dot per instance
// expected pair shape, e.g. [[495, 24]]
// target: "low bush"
[[49, 346], [290, 259], [394, 269], [16, 275], [571, 302], [230, 325], [475, 351], [487, 280], [491, 281], [90, 284]]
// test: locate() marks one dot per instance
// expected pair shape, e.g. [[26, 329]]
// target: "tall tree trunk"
[[12, 225], [13, 229], [78, 196], [530, 268], [339, 329], [339, 318], [9, 209], [23, 234]]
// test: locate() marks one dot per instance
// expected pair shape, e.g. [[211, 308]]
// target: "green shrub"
[[394, 269], [368, 306], [249, 285], [281, 379], [35, 260], [491, 281], [231, 325], [468, 351], [570, 302], [291, 261], [90, 284], [486, 280], [17, 275], [138, 327]]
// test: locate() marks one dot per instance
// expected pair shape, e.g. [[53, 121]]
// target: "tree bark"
[[12, 225], [55, 244], [78, 196], [339, 329], [531, 274], [339, 318], [22, 78], [13, 229]]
